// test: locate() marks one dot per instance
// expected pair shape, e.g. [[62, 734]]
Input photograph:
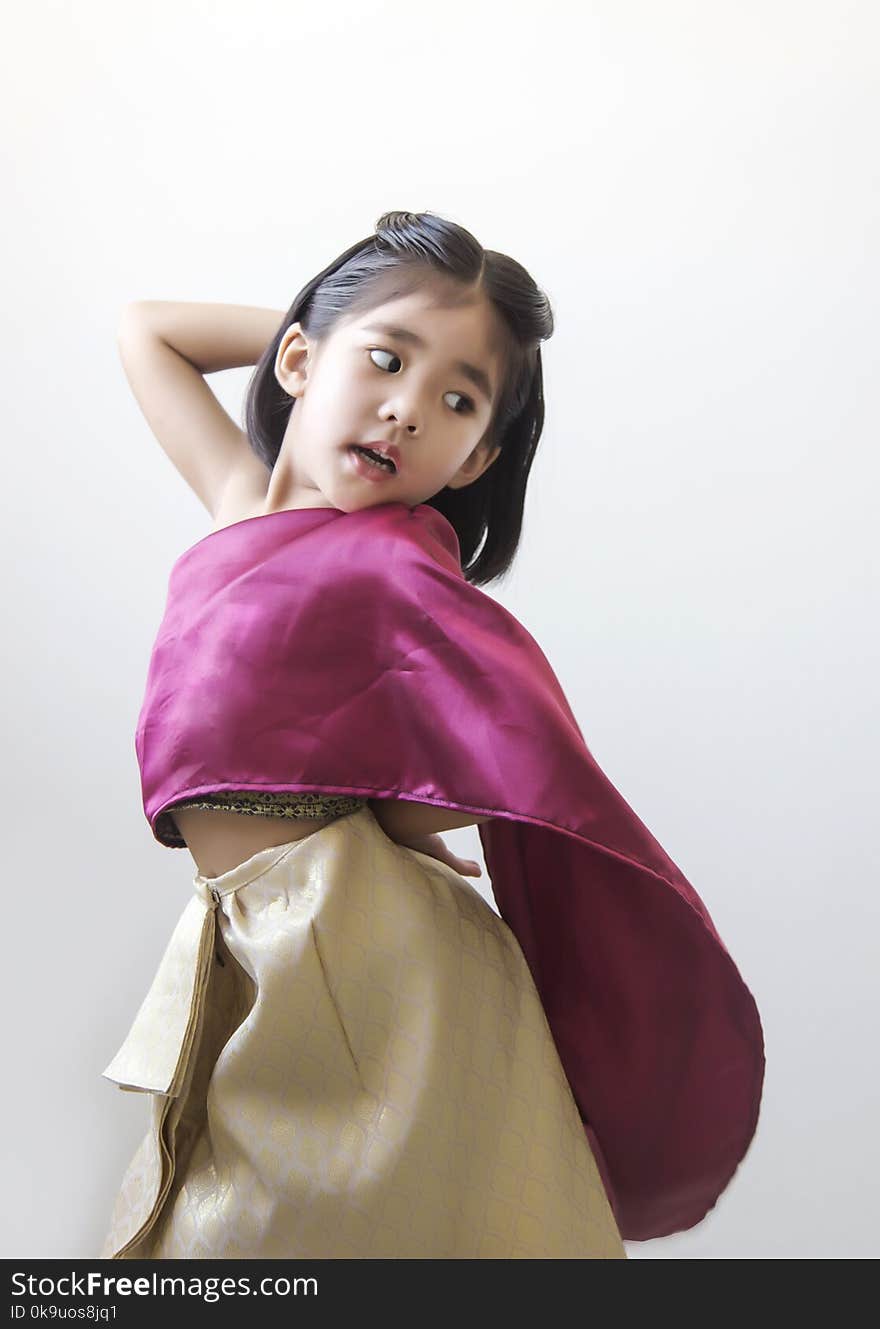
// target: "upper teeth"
[[377, 458]]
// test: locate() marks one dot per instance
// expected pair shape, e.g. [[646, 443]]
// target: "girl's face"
[[371, 380]]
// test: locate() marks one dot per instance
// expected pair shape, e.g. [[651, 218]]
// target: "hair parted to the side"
[[405, 253]]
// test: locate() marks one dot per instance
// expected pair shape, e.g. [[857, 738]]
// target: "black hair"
[[406, 250]]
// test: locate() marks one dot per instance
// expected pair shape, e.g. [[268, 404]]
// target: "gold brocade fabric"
[[347, 1058], [257, 803]]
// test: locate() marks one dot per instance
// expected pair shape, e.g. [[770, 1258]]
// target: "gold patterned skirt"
[[348, 1059]]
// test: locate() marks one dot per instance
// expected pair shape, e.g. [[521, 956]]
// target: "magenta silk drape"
[[315, 649]]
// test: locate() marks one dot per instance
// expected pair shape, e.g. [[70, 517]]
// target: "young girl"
[[348, 1052]]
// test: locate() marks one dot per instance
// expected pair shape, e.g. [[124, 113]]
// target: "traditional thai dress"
[[348, 1052]]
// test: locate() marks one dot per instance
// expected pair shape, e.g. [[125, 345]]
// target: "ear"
[[291, 361], [479, 461]]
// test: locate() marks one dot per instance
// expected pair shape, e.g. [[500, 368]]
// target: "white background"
[[695, 185]]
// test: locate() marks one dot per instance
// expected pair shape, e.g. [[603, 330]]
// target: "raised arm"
[[210, 336], [166, 348]]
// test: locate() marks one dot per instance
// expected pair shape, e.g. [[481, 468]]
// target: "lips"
[[370, 470], [385, 450]]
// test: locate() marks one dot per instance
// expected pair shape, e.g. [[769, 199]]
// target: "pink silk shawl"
[[345, 653]]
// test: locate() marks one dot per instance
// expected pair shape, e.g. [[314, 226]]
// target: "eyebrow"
[[476, 375]]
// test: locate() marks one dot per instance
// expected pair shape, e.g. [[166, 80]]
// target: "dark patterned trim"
[[258, 803]]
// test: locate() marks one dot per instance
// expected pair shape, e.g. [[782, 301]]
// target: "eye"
[[469, 405]]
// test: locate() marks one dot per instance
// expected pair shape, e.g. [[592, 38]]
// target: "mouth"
[[374, 457]]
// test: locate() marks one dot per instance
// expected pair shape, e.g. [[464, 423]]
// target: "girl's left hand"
[[437, 847]]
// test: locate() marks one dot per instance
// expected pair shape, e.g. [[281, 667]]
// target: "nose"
[[404, 412], [405, 421]]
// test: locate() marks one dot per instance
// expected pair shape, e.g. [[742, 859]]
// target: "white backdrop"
[[696, 188]]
